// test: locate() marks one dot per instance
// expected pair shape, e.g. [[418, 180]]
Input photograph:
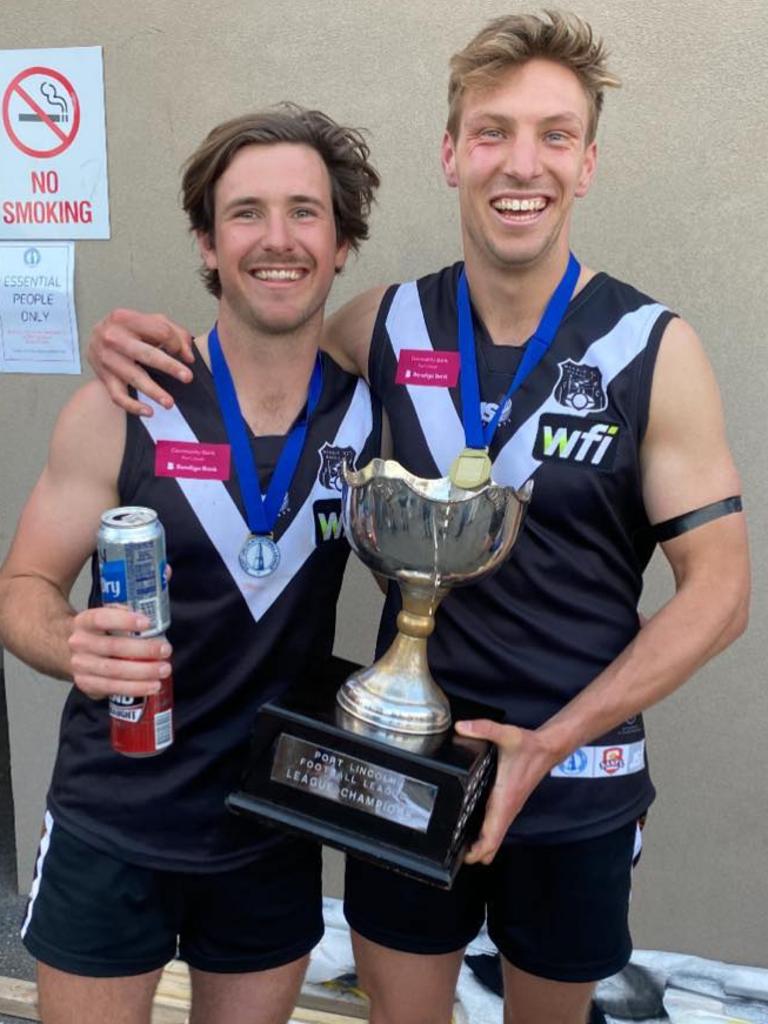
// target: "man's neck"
[[511, 301], [271, 372]]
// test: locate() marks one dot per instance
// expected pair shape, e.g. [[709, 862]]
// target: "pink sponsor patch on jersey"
[[429, 369], [192, 460]]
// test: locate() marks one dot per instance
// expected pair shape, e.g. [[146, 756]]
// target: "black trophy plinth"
[[412, 804]]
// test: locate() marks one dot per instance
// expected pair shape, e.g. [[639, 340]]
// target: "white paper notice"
[[38, 324]]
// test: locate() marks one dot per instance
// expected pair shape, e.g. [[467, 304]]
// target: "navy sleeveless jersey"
[[238, 640], [531, 637]]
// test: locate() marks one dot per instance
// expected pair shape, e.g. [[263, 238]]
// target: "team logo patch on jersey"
[[576, 764], [327, 516], [609, 762], [580, 387], [576, 441], [332, 458], [613, 760]]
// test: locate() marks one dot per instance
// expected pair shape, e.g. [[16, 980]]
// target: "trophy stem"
[[398, 692]]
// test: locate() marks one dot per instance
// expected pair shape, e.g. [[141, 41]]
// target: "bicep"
[[57, 529], [685, 459]]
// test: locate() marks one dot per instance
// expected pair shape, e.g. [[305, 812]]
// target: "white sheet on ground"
[[697, 991]]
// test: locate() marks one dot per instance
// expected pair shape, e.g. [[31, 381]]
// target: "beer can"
[[132, 563], [142, 726], [131, 547]]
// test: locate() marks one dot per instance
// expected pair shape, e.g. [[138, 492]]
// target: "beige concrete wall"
[[678, 208]]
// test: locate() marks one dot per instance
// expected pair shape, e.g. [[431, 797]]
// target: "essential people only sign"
[[38, 323], [53, 150]]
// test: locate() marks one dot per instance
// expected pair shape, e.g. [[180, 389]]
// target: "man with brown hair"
[[607, 401], [140, 858]]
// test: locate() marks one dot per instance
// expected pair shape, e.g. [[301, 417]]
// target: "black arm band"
[[697, 517]]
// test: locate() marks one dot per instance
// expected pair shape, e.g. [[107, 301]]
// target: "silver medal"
[[259, 555]]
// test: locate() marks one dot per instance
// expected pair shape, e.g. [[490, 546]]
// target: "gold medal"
[[471, 469]]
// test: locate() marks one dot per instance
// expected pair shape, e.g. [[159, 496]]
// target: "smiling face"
[[519, 159], [274, 240]]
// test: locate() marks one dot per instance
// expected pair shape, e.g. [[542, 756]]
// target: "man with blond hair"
[[140, 858], [606, 400]]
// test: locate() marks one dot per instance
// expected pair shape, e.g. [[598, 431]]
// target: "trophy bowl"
[[429, 536]]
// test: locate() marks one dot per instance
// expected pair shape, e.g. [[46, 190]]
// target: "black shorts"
[[94, 915], [556, 911]]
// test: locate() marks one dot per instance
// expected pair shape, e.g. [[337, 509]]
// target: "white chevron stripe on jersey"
[[610, 353], [221, 519], [434, 407]]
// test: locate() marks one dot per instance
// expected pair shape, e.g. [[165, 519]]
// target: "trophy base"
[[409, 803]]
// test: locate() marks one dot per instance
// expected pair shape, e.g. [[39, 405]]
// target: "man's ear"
[[448, 159], [207, 250], [588, 170], [342, 252]]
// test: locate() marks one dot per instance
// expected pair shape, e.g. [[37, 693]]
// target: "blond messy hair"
[[515, 39]]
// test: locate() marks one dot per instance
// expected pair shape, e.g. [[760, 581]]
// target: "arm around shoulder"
[[348, 333]]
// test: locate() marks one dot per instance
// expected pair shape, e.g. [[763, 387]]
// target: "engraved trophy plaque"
[[367, 760]]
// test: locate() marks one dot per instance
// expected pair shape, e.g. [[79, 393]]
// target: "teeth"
[[521, 205], [277, 275]]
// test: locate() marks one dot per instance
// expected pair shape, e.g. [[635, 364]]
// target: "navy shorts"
[[557, 911], [92, 914]]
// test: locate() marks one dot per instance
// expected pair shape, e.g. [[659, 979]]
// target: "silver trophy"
[[429, 535], [367, 762]]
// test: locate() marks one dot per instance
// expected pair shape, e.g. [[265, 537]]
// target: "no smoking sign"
[[53, 144], [41, 112]]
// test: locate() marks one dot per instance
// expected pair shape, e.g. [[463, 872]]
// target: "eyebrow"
[[298, 199], [565, 116]]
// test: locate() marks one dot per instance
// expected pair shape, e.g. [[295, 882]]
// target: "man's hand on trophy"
[[103, 663], [125, 341], [522, 763]]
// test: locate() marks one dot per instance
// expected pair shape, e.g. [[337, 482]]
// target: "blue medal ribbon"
[[537, 346], [261, 512]]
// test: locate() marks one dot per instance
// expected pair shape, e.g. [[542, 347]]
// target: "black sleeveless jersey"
[[237, 640], [531, 637]]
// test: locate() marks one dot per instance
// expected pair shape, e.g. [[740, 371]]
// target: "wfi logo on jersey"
[[576, 441], [580, 387], [332, 459], [327, 516]]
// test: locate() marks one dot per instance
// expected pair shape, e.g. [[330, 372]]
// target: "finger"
[[109, 617], [156, 650], [111, 670], [482, 729], [158, 330], [121, 396], [97, 688], [116, 366], [484, 848], [138, 351]]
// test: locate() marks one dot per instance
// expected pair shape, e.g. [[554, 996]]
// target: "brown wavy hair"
[[344, 151]]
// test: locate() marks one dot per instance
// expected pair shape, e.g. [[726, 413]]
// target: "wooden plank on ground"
[[18, 999], [171, 1006], [312, 1008]]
